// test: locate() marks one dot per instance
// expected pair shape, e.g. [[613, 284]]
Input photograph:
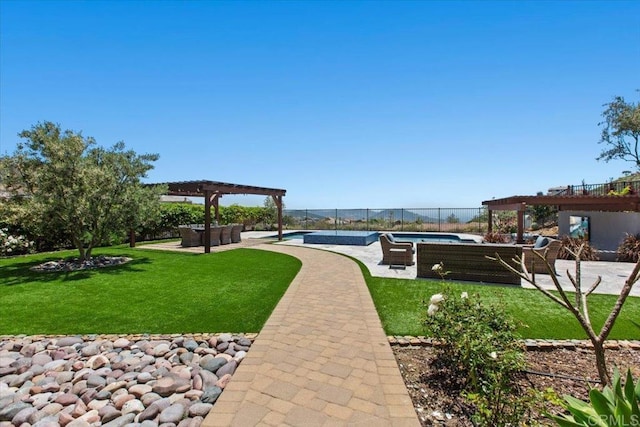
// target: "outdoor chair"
[[225, 237], [189, 236], [215, 234], [235, 233], [544, 246], [395, 253]]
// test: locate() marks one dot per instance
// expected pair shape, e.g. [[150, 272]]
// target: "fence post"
[[439, 221], [335, 221], [367, 219]]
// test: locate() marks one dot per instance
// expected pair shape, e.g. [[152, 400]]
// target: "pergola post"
[[521, 210], [278, 202], [207, 222], [490, 225], [216, 206]]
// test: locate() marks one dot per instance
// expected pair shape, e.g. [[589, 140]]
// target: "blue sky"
[[343, 104]]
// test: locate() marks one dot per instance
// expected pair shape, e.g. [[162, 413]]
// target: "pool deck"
[[613, 273]]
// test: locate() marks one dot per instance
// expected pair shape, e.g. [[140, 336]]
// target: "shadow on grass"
[[20, 273]]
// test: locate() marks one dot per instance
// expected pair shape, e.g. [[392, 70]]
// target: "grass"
[[236, 291], [157, 292], [400, 306]]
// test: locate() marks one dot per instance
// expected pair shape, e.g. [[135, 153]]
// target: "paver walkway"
[[322, 358]]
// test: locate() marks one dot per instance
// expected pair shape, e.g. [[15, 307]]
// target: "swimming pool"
[[406, 236], [437, 237], [341, 237]]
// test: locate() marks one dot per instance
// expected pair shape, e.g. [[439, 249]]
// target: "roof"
[[198, 188]]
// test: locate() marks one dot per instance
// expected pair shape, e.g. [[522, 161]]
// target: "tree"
[[90, 192], [621, 131], [453, 219], [577, 303], [270, 211]]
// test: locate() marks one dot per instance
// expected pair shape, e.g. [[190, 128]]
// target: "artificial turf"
[[400, 305], [156, 292]]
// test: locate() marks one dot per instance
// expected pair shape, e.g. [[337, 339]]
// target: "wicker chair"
[[225, 237], [215, 234], [189, 236], [395, 253], [235, 233], [544, 246]]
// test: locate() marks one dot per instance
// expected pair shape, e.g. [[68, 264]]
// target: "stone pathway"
[[321, 359]]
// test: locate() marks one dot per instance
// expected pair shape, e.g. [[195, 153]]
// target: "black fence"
[[458, 220], [617, 188]]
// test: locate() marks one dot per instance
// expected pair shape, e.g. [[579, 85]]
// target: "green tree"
[[621, 131], [270, 211], [453, 219], [92, 193]]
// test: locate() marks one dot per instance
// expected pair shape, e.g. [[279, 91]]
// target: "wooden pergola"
[[562, 202], [212, 191]]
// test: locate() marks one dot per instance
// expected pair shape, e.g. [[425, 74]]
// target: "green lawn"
[[399, 304], [236, 291], [157, 292]]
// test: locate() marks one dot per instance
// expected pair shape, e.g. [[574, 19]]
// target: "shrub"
[[589, 253], [13, 245], [629, 249], [478, 343], [494, 237]]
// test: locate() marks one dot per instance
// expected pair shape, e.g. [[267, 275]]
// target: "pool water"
[[411, 237]]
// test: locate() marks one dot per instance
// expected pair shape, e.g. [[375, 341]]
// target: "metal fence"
[[607, 189], [458, 220]]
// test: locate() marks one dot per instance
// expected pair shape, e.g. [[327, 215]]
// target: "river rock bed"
[[146, 381]]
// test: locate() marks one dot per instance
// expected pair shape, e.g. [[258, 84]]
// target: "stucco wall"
[[608, 229]]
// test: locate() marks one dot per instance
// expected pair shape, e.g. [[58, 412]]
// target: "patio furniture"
[[190, 237], [215, 233], [395, 253], [225, 237], [468, 261], [235, 233], [545, 246]]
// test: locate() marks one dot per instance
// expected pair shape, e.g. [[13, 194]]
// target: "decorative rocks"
[[115, 380]]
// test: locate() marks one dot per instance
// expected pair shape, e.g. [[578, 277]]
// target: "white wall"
[[608, 229]]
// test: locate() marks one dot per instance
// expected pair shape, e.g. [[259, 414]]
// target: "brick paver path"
[[322, 358]]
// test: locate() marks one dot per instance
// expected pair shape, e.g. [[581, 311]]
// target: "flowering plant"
[[13, 245], [479, 347]]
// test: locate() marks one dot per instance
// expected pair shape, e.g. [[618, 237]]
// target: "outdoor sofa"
[[468, 261]]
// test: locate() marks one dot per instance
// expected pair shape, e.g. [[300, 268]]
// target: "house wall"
[[608, 229]]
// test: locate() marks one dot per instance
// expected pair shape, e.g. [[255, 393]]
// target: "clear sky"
[[345, 104]]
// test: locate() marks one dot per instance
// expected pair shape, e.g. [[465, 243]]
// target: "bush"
[[479, 346], [589, 253], [494, 237], [13, 245], [629, 249]]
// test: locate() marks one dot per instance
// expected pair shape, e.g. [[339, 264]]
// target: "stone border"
[[530, 344]]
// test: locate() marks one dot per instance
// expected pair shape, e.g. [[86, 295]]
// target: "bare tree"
[[578, 304]]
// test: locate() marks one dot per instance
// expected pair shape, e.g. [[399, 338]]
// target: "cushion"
[[391, 238], [541, 242]]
